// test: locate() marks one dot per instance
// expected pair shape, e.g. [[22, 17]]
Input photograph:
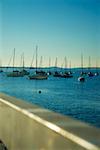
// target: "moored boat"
[[96, 71], [39, 75], [23, 71], [81, 78], [68, 75], [90, 74], [14, 73], [96, 74]]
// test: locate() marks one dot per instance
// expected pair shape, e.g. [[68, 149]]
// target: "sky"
[[59, 27]]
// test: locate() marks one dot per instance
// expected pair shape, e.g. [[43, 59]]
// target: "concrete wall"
[[24, 126]]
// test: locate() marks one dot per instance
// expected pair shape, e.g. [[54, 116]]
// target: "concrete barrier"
[[24, 126]]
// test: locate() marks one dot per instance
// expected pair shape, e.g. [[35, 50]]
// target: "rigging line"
[[32, 60], [10, 60]]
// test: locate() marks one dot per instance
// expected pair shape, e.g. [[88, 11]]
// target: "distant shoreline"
[[51, 67]]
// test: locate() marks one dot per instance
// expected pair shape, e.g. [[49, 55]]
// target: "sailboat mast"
[[89, 63], [56, 62], [70, 66], [65, 62], [32, 60], [96, 66], [14, 59], [82, 62], [41, 60], [49, 62], [36, 56], [23, 61]]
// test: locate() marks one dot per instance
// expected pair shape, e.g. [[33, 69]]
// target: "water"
[[66, 96]]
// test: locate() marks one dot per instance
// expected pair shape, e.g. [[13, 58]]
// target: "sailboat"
[[40, 70], [56, 73], [23, 71], [64, 74], [69, 73], [38, 75], [14, 73], [96, 72], [49, 72], [31, 66], [81, 78], [90, 74]]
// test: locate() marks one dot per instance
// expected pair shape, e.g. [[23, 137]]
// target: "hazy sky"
[[59, 27]]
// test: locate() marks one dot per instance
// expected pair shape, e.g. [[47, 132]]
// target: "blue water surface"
[[64, 95]]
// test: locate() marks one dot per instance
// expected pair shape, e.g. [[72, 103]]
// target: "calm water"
[[67, 96]]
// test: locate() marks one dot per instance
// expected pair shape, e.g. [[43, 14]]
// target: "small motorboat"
[[81, 79], [96, 74], [90, 74]]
